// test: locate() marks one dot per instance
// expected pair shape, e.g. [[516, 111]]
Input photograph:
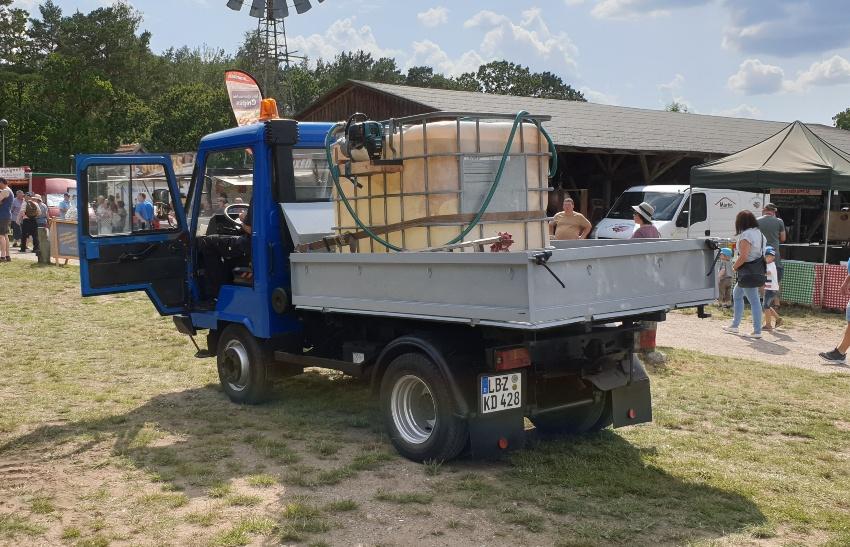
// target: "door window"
[[700, 209], [125, 199], [228, 179]]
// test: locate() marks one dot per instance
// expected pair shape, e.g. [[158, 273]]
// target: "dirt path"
[[795, 345]]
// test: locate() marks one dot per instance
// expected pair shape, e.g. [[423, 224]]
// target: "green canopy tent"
[[793, 158]]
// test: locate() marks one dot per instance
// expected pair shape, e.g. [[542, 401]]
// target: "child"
[[771, 290], [724, 278]]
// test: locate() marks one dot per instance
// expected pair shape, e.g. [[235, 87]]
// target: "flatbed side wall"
[[602, 281]]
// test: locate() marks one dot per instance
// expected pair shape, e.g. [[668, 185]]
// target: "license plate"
[[501, 392]]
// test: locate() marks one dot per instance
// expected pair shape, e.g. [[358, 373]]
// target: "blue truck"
[[460, 348]]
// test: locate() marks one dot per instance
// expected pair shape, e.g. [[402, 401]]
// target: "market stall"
[[795, 158]]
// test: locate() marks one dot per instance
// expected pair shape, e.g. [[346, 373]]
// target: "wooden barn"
[[602, 149]]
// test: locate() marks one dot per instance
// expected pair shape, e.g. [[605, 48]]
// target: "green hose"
[[553, 167]]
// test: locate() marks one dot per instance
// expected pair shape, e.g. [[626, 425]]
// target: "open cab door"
[[132, 229]]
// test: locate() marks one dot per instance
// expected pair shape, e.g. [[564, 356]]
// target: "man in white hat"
[[643, 219]]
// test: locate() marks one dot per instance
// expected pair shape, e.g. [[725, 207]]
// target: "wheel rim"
[[413, 409], [236, 365]]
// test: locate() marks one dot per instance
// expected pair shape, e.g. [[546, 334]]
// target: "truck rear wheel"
[[583, 419], [419, 410], [242, 368]]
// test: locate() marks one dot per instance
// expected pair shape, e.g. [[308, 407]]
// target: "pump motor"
[[364, 138]]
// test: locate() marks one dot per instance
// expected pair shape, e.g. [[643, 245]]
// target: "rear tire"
[[242, 366], [583, 419], [419, 410]]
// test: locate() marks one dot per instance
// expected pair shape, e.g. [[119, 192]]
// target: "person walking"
[[643, 220], [569, 223], [771, 291], [6, 199], [838, 354], [29, 227], [17, 211], [773, 229], [724, 278], [751, 268]]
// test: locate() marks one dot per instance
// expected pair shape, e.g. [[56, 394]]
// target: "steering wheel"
[[232, 212]]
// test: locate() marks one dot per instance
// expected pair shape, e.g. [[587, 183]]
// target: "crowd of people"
[[21, 214]]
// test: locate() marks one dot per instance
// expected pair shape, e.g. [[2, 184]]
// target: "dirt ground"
[[795, 344]]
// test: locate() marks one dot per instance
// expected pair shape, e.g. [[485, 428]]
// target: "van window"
[[665, 203]]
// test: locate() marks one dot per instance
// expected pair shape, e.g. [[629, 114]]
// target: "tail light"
[[511, 358]]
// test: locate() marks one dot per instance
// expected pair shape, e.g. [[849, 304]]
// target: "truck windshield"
[[665, 203]]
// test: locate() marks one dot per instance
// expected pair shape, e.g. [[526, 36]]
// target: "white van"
[[714, 211]]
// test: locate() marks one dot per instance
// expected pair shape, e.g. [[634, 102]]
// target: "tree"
[[676, 106], [842, 119], [506, 78], [187, 112]]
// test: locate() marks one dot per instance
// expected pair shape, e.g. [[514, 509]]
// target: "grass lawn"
[[111, 432]]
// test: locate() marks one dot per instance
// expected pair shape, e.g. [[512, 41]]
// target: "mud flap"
[[632, 403], [487, 430]]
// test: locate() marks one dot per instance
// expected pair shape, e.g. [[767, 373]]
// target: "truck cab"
[[460, 347]]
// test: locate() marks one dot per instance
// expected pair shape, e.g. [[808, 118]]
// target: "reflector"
[[279, 9], [258, 8], [235, 5], [302, 5]]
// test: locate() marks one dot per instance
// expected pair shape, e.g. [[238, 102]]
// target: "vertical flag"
[[245, 96]]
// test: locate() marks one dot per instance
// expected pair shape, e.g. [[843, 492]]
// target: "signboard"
[[794, 192], [245, 96], [63, 239], [13, 173]]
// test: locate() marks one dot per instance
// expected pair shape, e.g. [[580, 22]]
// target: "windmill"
[[271, 36]]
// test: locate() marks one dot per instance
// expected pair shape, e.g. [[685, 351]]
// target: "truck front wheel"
[[419, 410], [242, 368], [584, 419]]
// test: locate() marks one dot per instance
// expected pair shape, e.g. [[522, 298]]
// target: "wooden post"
[[43, 246]]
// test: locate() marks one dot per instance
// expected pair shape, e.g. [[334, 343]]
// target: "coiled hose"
[[520, 116]]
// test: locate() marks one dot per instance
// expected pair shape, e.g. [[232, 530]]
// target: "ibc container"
[[449, 165]]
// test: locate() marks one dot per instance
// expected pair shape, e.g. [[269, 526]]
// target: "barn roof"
[[591, 126]]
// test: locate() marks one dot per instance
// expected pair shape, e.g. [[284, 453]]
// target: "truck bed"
[[605, 280]]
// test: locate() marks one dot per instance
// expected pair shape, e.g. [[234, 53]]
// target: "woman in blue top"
[[751, 244], [6, 198]]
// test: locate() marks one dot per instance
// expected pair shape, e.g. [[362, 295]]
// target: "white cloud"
[[754, 78], [434, 16], [573, 2], [428, 53], [531, 32], [832, 71], [740, 111], [599, 97], [631, 9], [672, 86], [342, 35]]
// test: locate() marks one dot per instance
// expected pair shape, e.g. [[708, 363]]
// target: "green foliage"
[[676, 106], [842, 119], [89, 82]]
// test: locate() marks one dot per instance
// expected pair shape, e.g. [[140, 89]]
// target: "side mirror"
[[682, 221]]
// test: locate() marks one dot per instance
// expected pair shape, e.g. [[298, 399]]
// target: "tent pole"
[[690, 204], [825, 246]]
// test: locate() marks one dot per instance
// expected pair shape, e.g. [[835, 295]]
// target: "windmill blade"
[[279, 9], [302, 5], [235, 5], [258, 8]]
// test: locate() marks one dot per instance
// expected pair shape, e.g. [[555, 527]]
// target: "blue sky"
[[767, 59]]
